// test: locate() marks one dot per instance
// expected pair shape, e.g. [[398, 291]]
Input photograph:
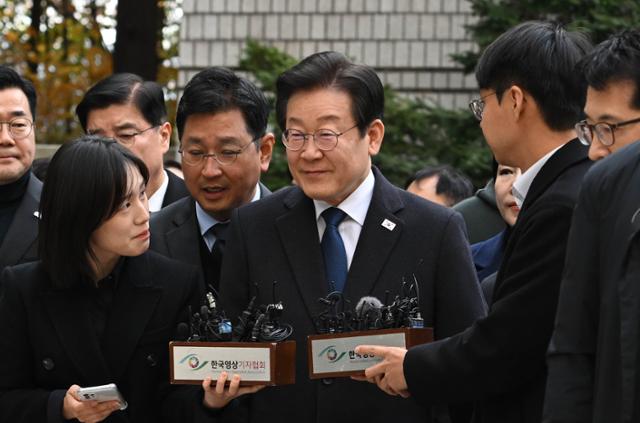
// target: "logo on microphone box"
[[193, 362], [331, 354]]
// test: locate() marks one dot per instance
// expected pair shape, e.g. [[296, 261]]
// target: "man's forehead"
[[116, 116], [14, 102]]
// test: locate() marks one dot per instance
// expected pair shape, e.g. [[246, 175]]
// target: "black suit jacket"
[[176, 189], [276, 239], [500, 360], [48, 342], [175, 232], [593, 355], [20, 245]]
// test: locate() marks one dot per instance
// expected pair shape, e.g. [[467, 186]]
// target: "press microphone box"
[[333, 354], [257, 363]]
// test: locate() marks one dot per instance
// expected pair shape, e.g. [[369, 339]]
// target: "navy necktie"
[[335, 256], [219, 230]]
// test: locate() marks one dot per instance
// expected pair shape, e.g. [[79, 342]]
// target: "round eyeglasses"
[[128, 137], [325, 139], [19, 127], [194, 156], [603, 130], [477, 106]]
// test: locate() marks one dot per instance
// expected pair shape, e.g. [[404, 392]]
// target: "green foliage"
[[416, 134], [598, 18], [265, 63]]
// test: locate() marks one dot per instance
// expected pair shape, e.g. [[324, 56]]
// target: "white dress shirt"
[[356, 206], [522, 184], [206, 221], [155, 201]]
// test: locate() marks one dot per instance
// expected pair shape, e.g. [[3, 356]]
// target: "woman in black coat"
[[98, 308]]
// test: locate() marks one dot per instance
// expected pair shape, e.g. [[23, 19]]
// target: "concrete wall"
[[408, 42]]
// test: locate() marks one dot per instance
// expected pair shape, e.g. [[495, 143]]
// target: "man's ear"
[[266, 151], [518, 100], [165, 136], [375, 133]]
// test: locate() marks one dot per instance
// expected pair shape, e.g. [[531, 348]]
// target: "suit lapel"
[[264, 191], [379, 235], [568, 155], [176, 189], [182, 241], [378, 238], [70, 318], [133, 306], [23, 231], [299, 237], [629, 298]]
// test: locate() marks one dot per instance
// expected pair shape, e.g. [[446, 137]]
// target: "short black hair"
[[614, 60], [87, 181], [452, 183], [9, 78], [125, 88], [541, 58], [330, 69], [39, 167], [218, 89]]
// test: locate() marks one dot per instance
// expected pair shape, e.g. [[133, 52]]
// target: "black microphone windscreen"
[[182, 332]]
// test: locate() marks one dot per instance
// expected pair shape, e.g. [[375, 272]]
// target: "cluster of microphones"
[[257, 323], [370, 313], [261, 323]]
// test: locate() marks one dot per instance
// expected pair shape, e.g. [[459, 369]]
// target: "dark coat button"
[[48, 364], [327, 381], [151, 360]]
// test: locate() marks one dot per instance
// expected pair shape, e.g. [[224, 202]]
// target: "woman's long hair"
[[87, 181]]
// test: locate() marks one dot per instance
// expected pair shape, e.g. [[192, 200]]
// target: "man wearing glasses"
[[530, 100], [19, 188], [343, 228], [132, 111], [225, 146], [593, 357]]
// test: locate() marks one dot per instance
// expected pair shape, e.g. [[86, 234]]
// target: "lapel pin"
[[36, 214], [388, 224]]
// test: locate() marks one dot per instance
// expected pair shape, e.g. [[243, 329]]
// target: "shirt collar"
[[155, 201], [522, 184], [356, 205], [206, 221]]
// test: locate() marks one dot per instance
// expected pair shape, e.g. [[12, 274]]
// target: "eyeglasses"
[[19, 127], [605, 131], [325, 139], [477, 106], [194, 156], [128, 138]]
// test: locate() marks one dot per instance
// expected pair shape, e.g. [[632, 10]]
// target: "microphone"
[[204, 312], [366, 304], [182, 332], [368, 313]]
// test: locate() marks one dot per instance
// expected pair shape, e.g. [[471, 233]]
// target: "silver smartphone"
[[102, 393]]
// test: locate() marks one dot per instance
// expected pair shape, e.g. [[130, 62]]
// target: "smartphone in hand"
[[102, 393]]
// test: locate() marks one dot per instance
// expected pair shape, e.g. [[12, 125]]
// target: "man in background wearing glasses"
[[19, 188], [531, 98], [343, 228], [132, 111], [593, 357]]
